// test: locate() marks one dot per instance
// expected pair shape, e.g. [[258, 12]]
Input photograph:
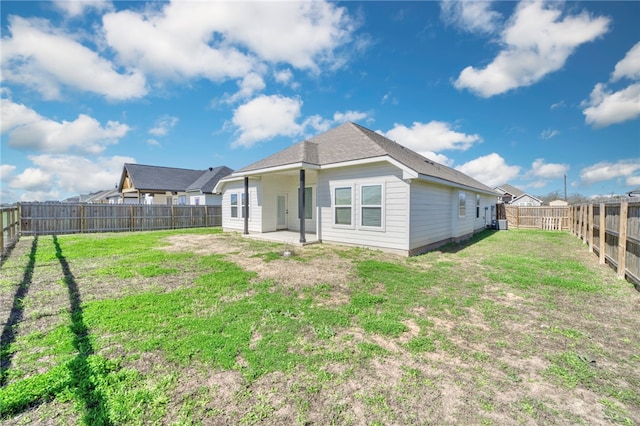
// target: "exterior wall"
[[255, 207], [393, 235], [276, 184], [205, 199], [435, 215], [526, 201]]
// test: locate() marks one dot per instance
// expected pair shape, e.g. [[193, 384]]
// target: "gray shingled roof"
[[208, 180], [158, 178], [515, 192], [349, 142]]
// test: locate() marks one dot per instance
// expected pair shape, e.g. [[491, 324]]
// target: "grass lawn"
[[201, 327]]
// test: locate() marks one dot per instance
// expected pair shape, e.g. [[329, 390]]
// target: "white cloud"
[[537, 41], [163, 125], [629, 66], [557, 105], [604, 171], [266, 117], [353, 116], [250, 84], [59, 176], [427, 138], [32, 57], [606, 107], [28, 130], [5, 171], [470, 16], [227, 40], [75, 8], [283, 76], [490, 169], [548, 170], [633, 180], [549, 133]]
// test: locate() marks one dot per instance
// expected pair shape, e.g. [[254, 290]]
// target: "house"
[[558, 203], [511, 195], [359, 188], [143, 184], [634, 193]]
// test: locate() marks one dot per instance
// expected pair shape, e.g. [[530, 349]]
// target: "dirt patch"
[[287, 271]]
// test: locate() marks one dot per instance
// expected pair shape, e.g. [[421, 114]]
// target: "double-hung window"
[[343, 206], [477, 206], [462, 204], [234, 205], [237, 203], [371, 206]]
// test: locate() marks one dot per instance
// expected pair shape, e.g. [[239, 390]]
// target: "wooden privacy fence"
[[547, 218], [612, 231], [66, 218], [10, 227]]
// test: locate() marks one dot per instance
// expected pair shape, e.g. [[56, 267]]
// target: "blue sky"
[[507, 92]]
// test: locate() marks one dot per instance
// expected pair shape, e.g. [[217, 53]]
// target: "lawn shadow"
[[96, 410], [456, 247], [16, 314]]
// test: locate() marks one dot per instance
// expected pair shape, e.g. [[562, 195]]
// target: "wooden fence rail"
[[10, 228], [547, 218], [612, 231], [67, 218]]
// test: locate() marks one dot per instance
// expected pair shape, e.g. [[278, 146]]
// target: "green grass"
[[466, 305]]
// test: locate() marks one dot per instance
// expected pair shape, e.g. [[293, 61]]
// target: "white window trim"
[[462, 196], [334, 206], [382, 207], [240, 205]]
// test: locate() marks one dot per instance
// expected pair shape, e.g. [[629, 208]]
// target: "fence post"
[[622, 240], [206, 216], [590, 222], [584, 223], [131, 217], [602, 233]]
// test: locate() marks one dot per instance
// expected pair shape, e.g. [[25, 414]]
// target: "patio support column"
[[245, 207], [301, 206]]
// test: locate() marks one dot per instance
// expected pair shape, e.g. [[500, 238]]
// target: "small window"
[[343, 206], [234, 205], [477, 206], [371, 205], [197, 200], [462, 204], [308, 203]]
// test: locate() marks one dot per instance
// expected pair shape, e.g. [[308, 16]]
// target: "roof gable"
[[159, 178], [352, 142]]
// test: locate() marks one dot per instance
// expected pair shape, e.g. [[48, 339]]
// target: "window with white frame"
[[343, 205], [371, 205], [234, 205], [462, 204], [237, 203]]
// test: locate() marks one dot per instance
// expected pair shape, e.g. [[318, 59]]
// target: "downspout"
[[246, 205], [301, 206]]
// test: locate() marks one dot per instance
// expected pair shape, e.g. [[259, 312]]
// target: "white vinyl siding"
[[393, 234], [432, 213], [237, 223]]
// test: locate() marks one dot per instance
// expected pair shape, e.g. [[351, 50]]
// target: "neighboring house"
[[142, 184], [360, 188], [634, 193], [558, 203], [511, 195]]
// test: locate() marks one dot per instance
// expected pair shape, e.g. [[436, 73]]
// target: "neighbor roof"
[[350, 142], [158, 178], [508, 189]]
